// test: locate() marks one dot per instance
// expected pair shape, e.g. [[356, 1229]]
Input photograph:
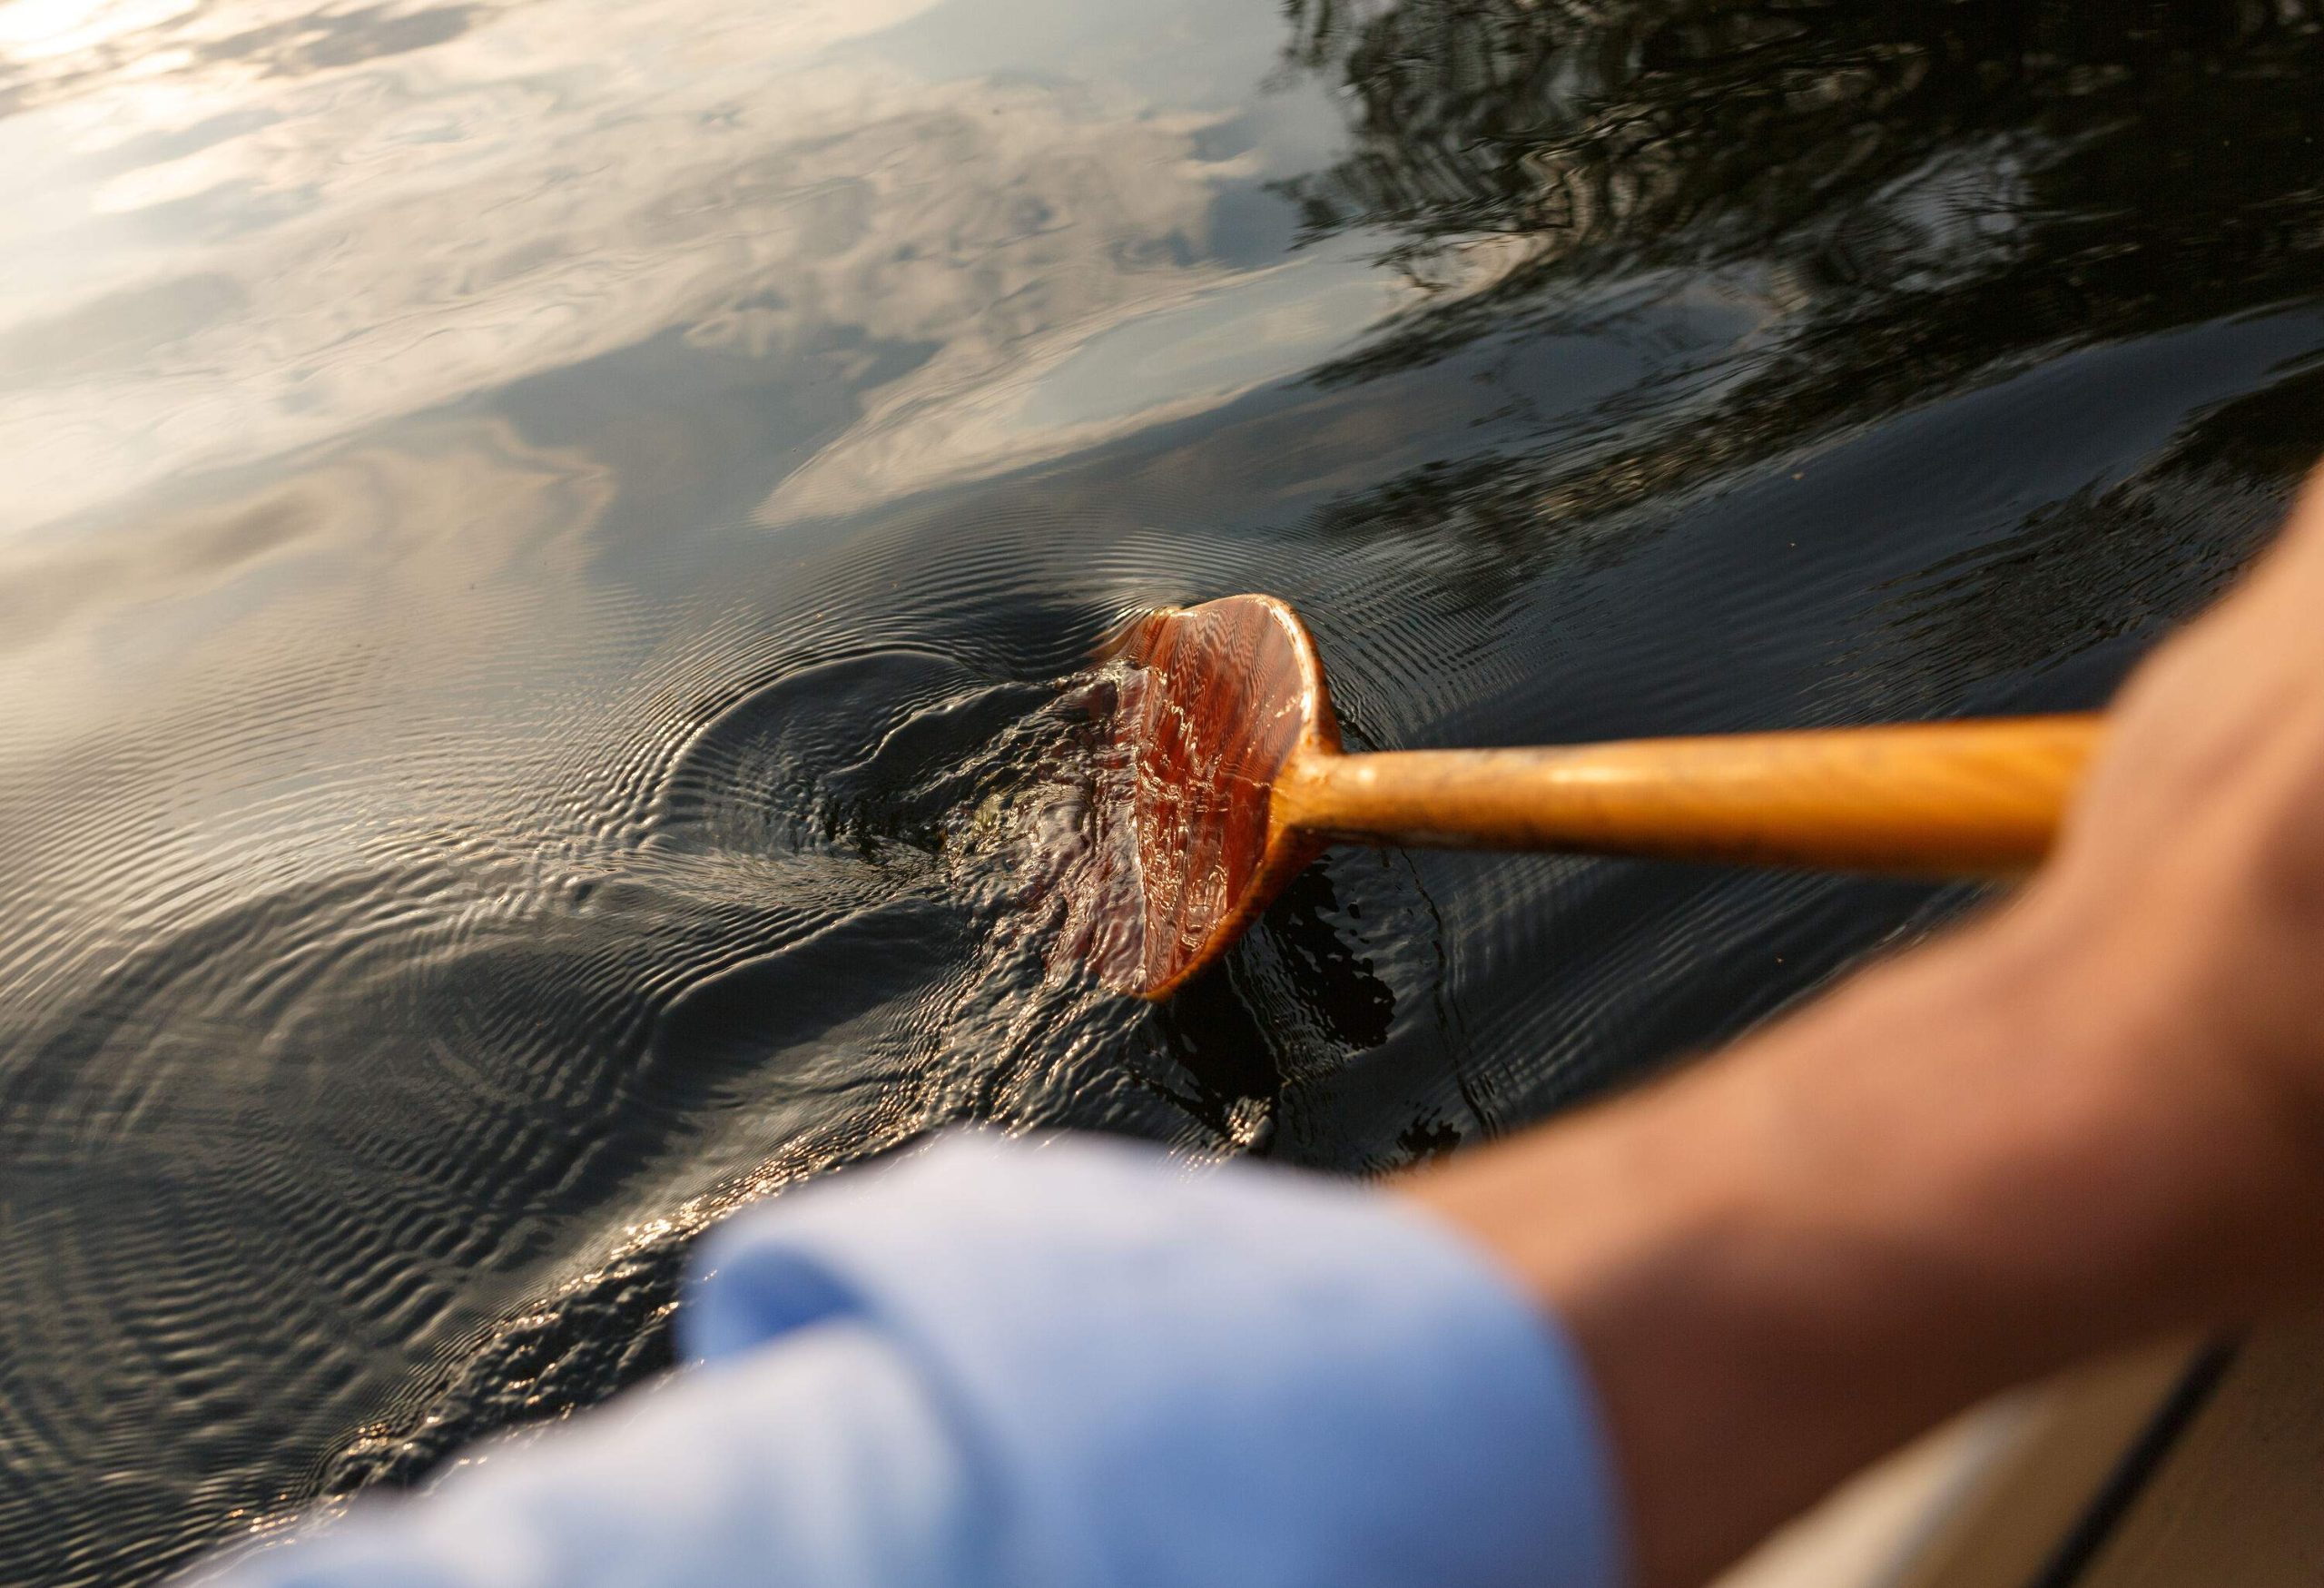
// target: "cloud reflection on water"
[[280, 228]]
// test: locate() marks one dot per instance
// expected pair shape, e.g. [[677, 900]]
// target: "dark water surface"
[[540, 539]]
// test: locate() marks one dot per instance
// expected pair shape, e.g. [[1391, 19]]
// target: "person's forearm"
[[1927, 1188]]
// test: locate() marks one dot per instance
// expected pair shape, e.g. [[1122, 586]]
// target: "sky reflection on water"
[[239, 229]]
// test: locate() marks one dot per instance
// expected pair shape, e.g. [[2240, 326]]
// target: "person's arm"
[[2093, 1116], [1063, 1364]]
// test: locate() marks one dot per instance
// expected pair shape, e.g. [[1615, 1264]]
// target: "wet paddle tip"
[[1212, 702]]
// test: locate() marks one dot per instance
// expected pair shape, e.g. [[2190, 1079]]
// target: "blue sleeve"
[[1010, 1364]]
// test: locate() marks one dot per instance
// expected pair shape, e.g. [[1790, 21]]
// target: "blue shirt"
[[1045, 1364]]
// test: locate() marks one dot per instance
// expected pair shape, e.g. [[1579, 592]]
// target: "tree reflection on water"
[[1851, 146], [1931, 197], [1950, 181]]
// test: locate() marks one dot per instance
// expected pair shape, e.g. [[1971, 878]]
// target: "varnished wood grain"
[[1960, 799], [1217, 700], [1225, 724]]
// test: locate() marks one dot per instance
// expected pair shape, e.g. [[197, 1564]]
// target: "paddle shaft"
[[1975, 798]]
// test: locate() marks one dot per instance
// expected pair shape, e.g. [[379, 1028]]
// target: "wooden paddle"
[[1235, 781]]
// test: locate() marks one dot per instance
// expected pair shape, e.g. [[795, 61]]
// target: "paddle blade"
[[1213, 701]]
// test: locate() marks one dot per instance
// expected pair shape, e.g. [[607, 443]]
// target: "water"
[[542, 538]]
